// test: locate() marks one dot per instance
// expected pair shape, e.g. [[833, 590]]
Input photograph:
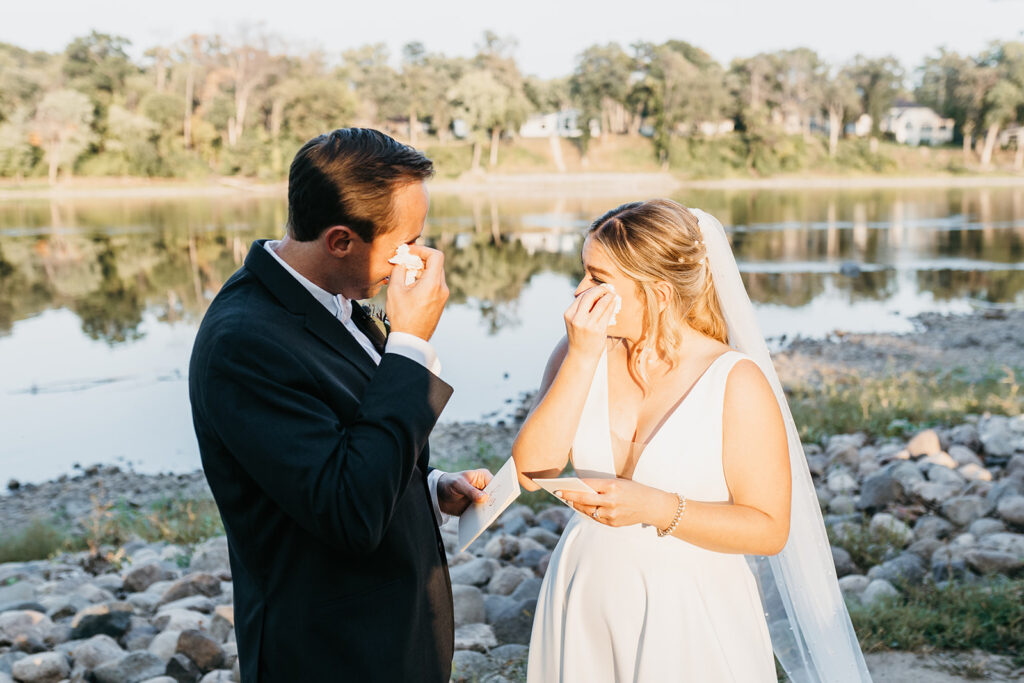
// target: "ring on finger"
[[594, 513]]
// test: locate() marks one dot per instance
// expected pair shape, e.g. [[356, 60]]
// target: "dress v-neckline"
[[661, 423]]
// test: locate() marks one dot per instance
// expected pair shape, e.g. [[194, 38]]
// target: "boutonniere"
[[379, 318]]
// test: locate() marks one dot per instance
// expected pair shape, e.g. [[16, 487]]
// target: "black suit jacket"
[[317, 459]]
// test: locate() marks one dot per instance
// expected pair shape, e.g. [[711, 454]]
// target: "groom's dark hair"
[[348, 177]]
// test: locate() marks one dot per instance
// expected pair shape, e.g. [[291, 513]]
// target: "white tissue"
[[413, 263], [618, 302]]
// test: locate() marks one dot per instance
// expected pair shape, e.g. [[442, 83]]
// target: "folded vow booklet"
[[503, 489]]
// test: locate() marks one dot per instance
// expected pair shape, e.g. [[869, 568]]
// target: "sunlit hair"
[[660, 241]]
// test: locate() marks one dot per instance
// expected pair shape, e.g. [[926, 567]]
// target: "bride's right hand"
[[586, 320]]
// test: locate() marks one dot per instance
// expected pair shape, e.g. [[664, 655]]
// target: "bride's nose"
[[583, 286]]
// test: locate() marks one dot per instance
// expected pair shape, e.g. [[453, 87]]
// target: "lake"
[[100, 299]]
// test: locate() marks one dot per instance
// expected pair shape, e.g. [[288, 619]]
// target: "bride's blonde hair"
[[660, 241]]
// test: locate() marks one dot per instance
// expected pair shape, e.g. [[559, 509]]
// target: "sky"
[[549, 33]]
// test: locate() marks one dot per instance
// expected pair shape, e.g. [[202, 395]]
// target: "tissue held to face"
[[600, 270]]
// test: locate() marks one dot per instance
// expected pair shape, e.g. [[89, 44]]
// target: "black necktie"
[[368, 327]]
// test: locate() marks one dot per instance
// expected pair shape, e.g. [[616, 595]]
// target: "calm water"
[[99, 301]]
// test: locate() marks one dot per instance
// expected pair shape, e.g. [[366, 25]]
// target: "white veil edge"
[[810, 627]]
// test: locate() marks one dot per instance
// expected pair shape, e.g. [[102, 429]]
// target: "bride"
[[703, 548]]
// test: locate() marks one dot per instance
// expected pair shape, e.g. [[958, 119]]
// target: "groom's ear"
[[339, 240]]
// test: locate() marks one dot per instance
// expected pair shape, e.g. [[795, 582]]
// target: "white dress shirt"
[[402, 343]]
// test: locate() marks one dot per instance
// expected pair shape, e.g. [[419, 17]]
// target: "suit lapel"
[[297, 299]]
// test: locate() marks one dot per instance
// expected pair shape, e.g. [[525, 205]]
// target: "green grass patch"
[[867, 546], [37, 541], [903, 402], [987, 617]]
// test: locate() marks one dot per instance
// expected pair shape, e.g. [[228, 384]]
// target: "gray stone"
[[142, 577], [91, 653], [469, 666], [1002, 436], [222, 623], [180, 620], [109, 582], [935, 493], [906, 473], [841, 481], [193, 584], [895, 528], [22, 591], [63, 606], [529, 588], [202, 649], [502, 547], [843, 562], [1011, 508], [853, 584], [27, 624], [7, 661], [112, 619], [944, 475], [993, 561], [554, 518], [962, 510], [197, 603], [543, 536], [842, 453], [47, 667], [182, 669], [160, 679], [905, 568], [932, 526], [879, 490], [94, 593], [497, 605], [479, 637], [965, 435], [506, 580], [842, 504], [878, 591], [949, 563], [515, 624], [986, 526], [469, 605], [220, 676], [925, 548], [511, 653], [211, 556], [1004, 542], [476, 572], [165, 645], [964, 455]]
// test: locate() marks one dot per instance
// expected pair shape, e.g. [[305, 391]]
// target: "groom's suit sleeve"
[[341, 482]]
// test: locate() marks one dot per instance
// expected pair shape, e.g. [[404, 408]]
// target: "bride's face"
[[600, 269]]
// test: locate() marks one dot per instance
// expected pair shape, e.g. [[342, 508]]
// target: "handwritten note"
[[503, 489]]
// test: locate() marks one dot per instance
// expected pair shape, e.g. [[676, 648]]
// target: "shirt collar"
[[339, 306]]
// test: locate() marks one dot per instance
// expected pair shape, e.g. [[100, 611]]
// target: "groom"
[[313, 425]]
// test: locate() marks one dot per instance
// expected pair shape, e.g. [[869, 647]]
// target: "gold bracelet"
[[675, 521]]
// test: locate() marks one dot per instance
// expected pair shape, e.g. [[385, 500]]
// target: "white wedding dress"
[[622, 604]]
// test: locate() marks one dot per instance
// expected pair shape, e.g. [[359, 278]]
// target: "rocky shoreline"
[[945, 506]]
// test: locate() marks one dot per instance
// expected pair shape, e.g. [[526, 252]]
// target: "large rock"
[[469, 605], [904, 568], [965, 435], [853, 584], [193, 584], [469, 666], [211, 556], [476, 572], [936, 493], [906, 473], [479, 637], [993, 561], [554, 518], [879, 490], [48, 667], [112, 619], [986, 526], [1004, 542], [502, 547], [944, 475], [515, 624], [949, 563], [202, 649], [932, 526], [1011, 508], [20, 591], [134, 667], [507, 579], [843, 562], [842, 452], [91, 653], [883, 522], [542, 536], [23, 624], [183, 670], [925, 443], [878, 591], [840, 480], [222, 623], [165, 645], [1002, 436], [963, 455], [962, 510], [180, 620], [141, 578]]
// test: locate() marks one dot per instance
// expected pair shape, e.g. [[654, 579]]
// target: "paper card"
[[564, 484], [503, 489]]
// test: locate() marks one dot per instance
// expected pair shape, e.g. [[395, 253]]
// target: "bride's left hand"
[[618, 502]]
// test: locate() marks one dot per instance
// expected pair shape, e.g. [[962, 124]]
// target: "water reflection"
[[99, 301]]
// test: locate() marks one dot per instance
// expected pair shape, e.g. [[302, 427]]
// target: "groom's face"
[[369, 265]]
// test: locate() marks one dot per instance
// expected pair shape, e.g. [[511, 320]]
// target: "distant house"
[[861, 127], [1012, 137], [914, 124], [563, 124]]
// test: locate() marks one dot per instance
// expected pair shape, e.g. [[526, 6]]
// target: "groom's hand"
[[456, 490], [416, 308]]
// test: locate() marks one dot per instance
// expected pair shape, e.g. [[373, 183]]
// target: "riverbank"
[[502, 184]]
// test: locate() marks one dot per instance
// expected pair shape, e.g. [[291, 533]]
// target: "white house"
[[914, 124], [563, 124], [1013, 134]]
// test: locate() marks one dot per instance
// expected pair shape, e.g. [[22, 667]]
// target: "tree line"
[[243, 104]]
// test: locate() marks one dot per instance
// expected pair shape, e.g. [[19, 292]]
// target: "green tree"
[[841, 103], [600, 85], [62, 127], [878, 80], [483, 103]]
